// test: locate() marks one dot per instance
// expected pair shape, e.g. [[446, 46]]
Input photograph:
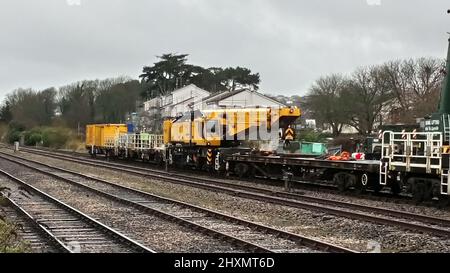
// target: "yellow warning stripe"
[[209, 157], [289, 134], [446, 149]]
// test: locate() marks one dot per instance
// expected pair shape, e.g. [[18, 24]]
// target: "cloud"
[[291, 43], [373, 2], [73, 2]]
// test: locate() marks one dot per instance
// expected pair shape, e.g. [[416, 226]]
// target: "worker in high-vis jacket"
[[289, 135]]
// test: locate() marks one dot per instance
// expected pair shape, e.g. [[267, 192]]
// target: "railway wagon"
[[345, 174], [144, 146], [417, 162], [100, 138], [198, 138]]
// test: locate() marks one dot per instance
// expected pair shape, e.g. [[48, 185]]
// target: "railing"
[[446, 126], [413, 150], [418, 152], [445, 189], [110, 142], [139, 142]]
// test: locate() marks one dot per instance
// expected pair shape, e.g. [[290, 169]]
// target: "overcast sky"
[[290, 43]]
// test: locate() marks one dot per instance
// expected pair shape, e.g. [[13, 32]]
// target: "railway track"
[[405, 220], [64, 227], [36, 237], [247, 235], [381, 196]]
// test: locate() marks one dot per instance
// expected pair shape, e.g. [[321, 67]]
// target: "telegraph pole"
[[444, 104]]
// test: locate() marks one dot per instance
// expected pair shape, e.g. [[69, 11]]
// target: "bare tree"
[[31, 108], [326, 103], [415, 85], [116, 101], [76, 102], [366, 94]]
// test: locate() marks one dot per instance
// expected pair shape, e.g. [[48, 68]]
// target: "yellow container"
[[103, 135], [167, 127]]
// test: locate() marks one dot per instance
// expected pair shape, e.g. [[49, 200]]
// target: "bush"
[[34, 139], [55, 137], [13, 136], [33, 136], [14, 132], [9, 241], [15, 126], [75, 144], [348, 143], [3, 131], [309, 135]]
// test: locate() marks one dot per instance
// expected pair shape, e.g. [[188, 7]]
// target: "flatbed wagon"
[[361, 174]]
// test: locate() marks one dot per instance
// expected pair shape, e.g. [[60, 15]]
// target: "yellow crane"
[[201, 138], [228, 127]]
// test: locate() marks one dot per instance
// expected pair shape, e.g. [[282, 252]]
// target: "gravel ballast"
[[353, 234]]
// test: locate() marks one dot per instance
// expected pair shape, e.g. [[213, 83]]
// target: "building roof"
[[181, 102], [189, 86], [215, 98], [170, 95], [222, 95]]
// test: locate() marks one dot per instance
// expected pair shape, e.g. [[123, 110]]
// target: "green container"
[[304, 148], [309, 148]]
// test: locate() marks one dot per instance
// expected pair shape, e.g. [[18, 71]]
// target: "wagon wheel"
[[339, 180], [241, 170], [377, 188], [443, 202], [362, 183], [395, 188], [158, 159], [418, 193]]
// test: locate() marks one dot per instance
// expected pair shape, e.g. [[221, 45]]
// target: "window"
[[212, 128]]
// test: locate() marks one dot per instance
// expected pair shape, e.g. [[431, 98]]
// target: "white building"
[[178, 102], [310, 124], [240, 99], [346, 129], [181, 100]]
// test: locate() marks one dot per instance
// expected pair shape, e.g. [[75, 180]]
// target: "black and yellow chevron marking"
[[289, 134], [446, 150], [209, 157]]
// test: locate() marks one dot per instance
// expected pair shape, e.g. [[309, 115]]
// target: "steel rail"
[[100, 226], [283, 198], [41, 230], [303, 240]]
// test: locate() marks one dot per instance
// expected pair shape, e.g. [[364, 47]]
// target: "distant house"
[[310, 124], [58, 112], [346, 129], [240, 99], [178, 102], [192, 97]]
